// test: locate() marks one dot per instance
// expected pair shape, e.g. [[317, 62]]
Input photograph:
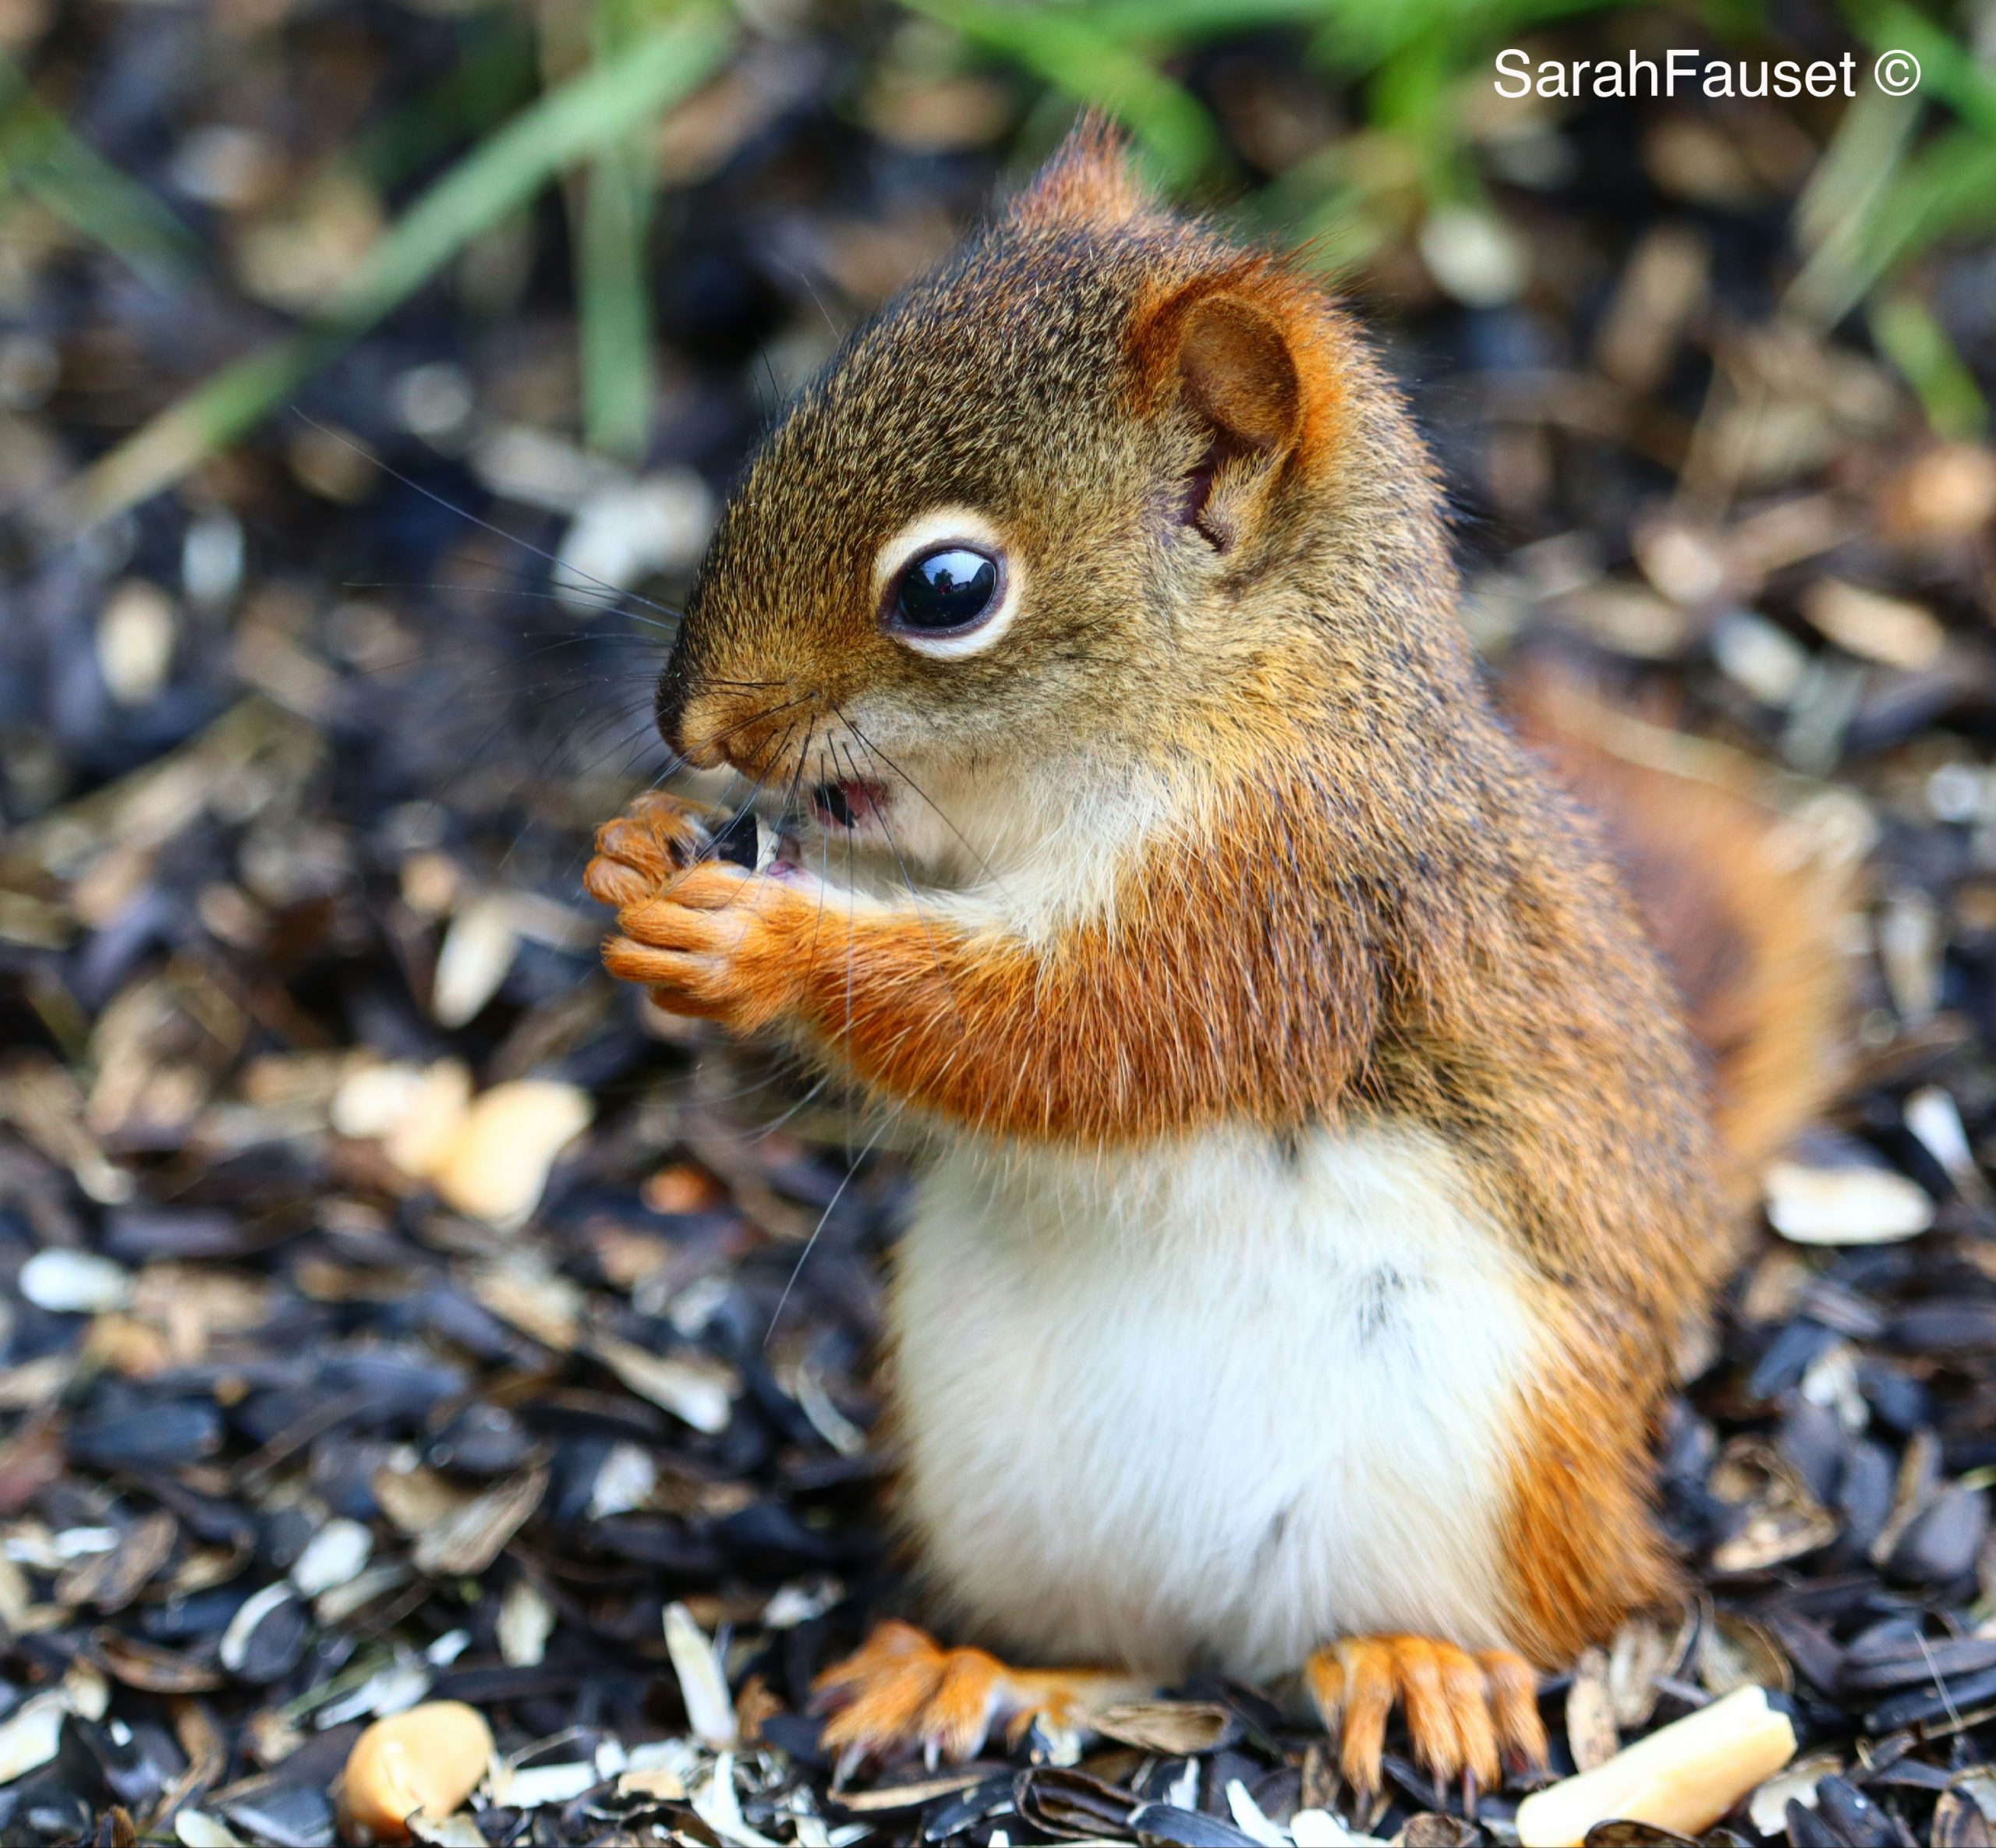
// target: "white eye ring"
[[949, 525]]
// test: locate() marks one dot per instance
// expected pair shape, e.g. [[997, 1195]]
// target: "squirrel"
[[1321, 1168]]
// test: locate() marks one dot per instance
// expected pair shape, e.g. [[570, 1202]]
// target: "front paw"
[[714, 941], [653, 840]]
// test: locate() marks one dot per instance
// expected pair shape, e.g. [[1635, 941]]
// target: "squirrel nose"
[[693, 743], [697, 737], [708, 727]]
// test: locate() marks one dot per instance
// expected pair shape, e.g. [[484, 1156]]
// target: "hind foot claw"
[[901, 1692], [1465, 1713]]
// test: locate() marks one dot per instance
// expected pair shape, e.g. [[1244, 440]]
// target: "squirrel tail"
[[1744, 929]]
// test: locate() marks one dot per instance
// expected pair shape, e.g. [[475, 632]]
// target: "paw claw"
[[887, 1698], [1514, 1712], [636, 853], [705, 937], [902, 1693], [1465, 1714]]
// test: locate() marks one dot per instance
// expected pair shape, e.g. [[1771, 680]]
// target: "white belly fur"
[[1215, 1408]]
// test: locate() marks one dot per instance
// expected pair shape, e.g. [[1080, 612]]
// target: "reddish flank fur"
[[1744, 937], [1746, 943], [1372, 905]]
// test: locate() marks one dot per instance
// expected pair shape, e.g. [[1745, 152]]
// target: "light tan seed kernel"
[[1684, 1777], [430, 1758]]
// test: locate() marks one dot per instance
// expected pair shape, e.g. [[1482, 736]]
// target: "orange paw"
[[1465, 1713], [901, 1692], [704, 936], [656, 838]]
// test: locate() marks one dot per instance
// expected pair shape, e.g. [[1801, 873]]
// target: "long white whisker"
[[395, 474], [838, 1194]]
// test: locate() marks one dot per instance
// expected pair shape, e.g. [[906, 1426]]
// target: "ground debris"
[[389, 1304]]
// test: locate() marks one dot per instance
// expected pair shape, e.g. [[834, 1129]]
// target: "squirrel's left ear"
[[1246, 355]]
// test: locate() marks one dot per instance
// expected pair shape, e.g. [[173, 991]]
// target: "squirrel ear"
[[1239, 374], [1089, 179], [1239, 351]]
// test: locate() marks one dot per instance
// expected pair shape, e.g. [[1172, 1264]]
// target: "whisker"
[[679, 761], [503, 671], [824, 858], [745, 1135], [757, 788], [464, 513], [625, 746], [914, 897], [797, 775], [874, 750], [838, 1194], [605, 600], [852, 927], [636, 727], [777, 1123]]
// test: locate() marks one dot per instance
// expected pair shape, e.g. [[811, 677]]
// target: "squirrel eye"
[[953, 587]]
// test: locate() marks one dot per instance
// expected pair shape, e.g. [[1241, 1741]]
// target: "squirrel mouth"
[[848, 804]]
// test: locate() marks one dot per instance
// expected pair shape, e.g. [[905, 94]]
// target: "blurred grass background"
[[1384, 153]]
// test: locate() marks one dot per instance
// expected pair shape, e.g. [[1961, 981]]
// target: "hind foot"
[[1465, 1713], [901, 1692]]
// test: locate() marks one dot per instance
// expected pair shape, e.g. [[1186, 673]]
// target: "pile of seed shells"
[[435, 1388]]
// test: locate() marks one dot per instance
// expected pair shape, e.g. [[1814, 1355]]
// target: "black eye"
[[950, 588]]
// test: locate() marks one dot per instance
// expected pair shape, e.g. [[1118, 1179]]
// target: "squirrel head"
[[1105, 491]]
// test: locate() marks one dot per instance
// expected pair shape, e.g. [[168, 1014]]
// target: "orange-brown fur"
[[901, 1675], [1742, 933], [1381, 907]]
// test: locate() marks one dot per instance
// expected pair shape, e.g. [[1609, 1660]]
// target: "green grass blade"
[[1837, 216], [613, 304], [1948, 69], [192, 428], [590, 112], [493, 76], [1948, 189], [1177, 22], [1872, 206], [44, 157], [1060, 46], [1357, 36], [1910, 336], [613, 297]]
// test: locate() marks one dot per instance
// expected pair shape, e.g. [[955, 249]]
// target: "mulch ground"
[[391, 1308]]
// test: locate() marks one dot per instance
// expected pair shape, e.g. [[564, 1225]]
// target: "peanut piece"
[[429, 1759], [1684, 1777]]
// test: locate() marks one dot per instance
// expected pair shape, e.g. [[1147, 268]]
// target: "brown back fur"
[[1746, 934]]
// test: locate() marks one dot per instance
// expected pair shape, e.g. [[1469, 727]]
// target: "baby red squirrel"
[[1320, 1170]]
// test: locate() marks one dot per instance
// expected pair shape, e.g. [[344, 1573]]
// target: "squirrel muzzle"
[[708, 724]]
